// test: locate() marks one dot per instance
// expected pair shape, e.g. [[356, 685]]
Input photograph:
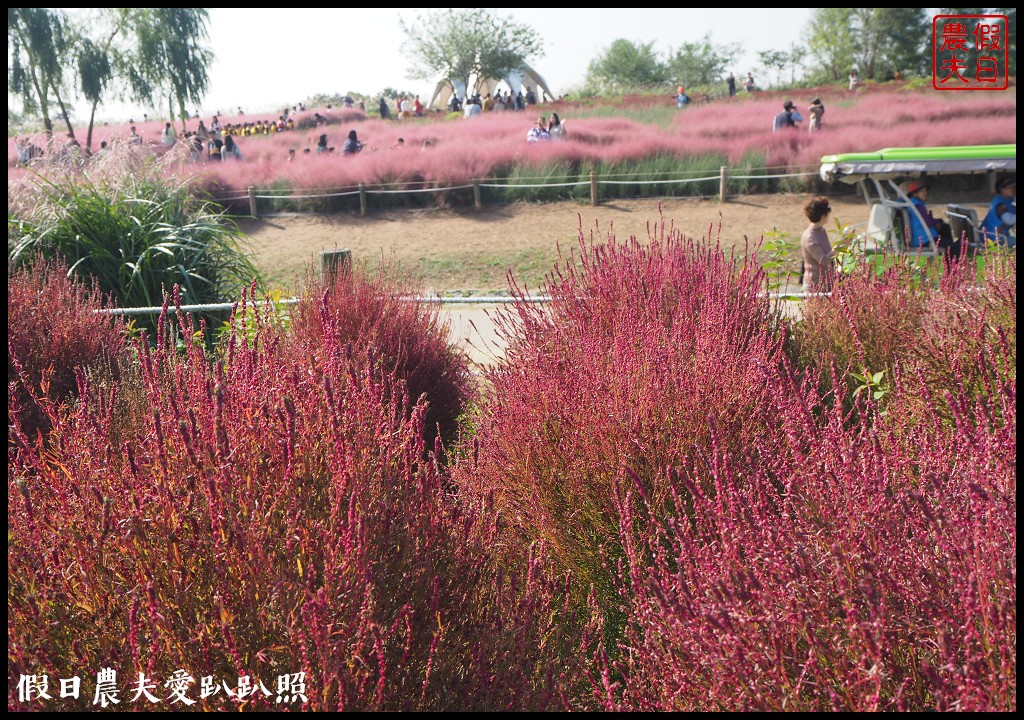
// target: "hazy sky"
[[267, 58]]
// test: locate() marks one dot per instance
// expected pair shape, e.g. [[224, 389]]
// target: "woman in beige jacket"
[[816, 249]]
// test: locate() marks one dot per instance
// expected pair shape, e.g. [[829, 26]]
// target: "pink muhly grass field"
[[491, 144]]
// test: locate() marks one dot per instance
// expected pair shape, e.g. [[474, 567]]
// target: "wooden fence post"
[[593, 187], [362, 198], [253, 210], [333, 260], [723, 184], [477, 203]]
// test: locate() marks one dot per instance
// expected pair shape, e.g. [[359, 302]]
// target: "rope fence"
[[594, 181]]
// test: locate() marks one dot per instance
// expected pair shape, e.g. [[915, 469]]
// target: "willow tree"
[[172, 64], [101, 49], [38, 49], [459, 44]]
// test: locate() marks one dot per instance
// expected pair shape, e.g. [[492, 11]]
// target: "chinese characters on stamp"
[[970, 52]]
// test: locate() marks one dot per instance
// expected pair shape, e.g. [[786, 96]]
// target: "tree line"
[[150, 56], [156, 57], [878, 42]]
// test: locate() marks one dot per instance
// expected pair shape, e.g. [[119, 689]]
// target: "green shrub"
[[138, 235]]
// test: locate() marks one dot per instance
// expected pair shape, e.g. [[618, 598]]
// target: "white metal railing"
[[438, 299]]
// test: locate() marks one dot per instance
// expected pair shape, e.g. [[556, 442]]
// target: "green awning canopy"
[[889, 163]]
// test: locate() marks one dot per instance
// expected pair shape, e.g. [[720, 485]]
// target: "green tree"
[[830, 43], [1011, 43], [874, 40], [459, 44], [626, 65], [38, 49], [774, 61], [171, 65], [797, 54], [100, 60], [890, 39], [970, 57], [701, 63]]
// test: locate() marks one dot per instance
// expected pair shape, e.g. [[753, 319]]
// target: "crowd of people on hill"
[[498, 101], [210, 141], [220, 142]]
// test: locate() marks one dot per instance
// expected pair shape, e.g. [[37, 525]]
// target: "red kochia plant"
[[968, 316], [374, 314], [858, 574], [642, 348], [274, 515], [53, 333], [869, 322]]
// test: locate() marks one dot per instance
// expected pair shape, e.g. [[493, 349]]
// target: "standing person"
[[417, 107], [27, 151], [817, 252], [815, 111], [731, 84], [854, 79], [933, 229], [352, 144], [788, 118], [321, 144], [682, 99], [1001, 219], [748, 83], [383, 108]]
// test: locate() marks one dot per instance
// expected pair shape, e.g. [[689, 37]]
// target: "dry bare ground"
[[471, 252]]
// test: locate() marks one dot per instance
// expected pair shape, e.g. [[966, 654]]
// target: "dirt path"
[[471, 251]]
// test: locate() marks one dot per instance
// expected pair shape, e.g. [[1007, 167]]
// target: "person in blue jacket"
[[1001, 219], [934, 230]]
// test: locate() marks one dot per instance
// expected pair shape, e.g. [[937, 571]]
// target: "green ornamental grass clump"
[[138, 234]]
